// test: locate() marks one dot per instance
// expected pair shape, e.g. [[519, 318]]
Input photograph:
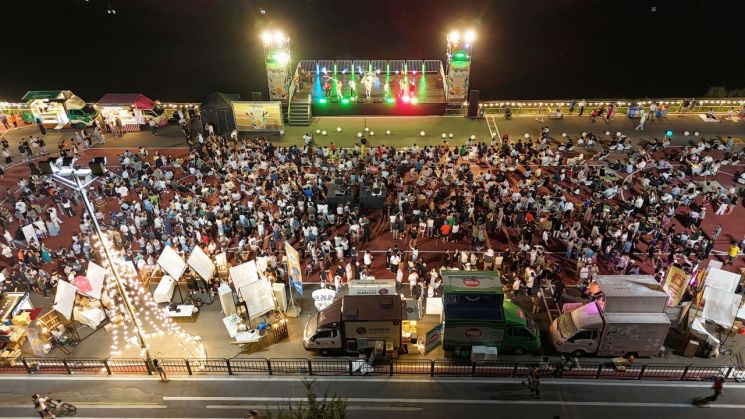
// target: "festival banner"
[[257, 116], [294, 271], [433, 338], [675, 285]]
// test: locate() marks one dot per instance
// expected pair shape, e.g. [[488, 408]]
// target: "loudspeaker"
[[46, 166], [257, 96], [473, 104], [67, 161]]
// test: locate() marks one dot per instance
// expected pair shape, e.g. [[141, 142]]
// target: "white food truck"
[[628, 319]]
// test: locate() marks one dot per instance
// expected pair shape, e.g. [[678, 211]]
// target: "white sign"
[[244, 274], [96, 275], [64, 301], [722, 280], [172, 263], [434, 306], [323, 298], [201, 263], [259, 297], [30, 234], [221, 259], [376, 287], [721, 306]]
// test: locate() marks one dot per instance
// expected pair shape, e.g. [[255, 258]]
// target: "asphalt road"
[[371, 397]]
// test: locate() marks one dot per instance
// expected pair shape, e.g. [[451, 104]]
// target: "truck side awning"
[[331, 315]]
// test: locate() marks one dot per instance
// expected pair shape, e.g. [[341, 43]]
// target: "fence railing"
[[357, 367]]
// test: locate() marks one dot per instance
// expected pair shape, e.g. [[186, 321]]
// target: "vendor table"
[[90, 317], [182, 310], [164, 291]]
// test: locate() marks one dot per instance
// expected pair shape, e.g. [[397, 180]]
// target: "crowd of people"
[[536, 213]]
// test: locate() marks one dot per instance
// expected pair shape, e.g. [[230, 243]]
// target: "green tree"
[[314, 407]]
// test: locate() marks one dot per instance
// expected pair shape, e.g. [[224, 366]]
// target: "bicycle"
[[60, 408]]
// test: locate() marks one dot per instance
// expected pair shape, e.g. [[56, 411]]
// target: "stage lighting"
[[278, 37], [454, 36], [281, 57], [414, 101], [470, 36], [669, 133], [405, 99], [345, 101], [266, 37], [322, 101], [390, 100]]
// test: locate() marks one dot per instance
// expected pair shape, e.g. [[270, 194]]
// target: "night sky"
[[183, 50]]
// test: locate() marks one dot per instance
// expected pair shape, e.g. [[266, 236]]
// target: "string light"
[[148, 316]]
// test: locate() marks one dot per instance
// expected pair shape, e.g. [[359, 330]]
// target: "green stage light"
[[460, 55], [390, 100], [322, 100], [345, 101]]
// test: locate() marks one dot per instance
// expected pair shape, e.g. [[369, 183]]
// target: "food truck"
[[135, 110], [476, 314], [58, 108], [357, 324], [627, 319]]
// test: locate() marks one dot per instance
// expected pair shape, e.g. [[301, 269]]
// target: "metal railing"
[[351, 367], [672, 105]]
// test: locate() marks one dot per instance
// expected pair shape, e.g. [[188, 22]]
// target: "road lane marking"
[[438, 380], [376, 408], [453, 401]]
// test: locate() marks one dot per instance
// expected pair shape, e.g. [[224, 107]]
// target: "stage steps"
[[298, 113]]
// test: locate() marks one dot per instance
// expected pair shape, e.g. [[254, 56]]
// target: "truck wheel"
[[518, 351], [578, 353]]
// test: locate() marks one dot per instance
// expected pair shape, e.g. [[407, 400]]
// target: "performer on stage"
[[386, 89], [352, 88], [327, 88], [338, 89], [402, 86]]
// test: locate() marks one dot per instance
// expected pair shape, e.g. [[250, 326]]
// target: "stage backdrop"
[[258, 116]]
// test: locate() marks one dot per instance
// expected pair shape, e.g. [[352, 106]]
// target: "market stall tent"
[[217, 110], [133, 109], [58, 108]]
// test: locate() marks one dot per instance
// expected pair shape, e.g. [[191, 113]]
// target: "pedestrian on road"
[[534, 382], [161, 371], [717, 387], [253, 414], [153, 126]]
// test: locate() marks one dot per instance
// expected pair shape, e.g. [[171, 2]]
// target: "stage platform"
[[423, 92]]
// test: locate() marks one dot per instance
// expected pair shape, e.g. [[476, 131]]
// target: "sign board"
[[434, 306], [294, 270], [259, 297], [258, 116], [30, 234], [412, 309], [244, 274], [372, 287], [721, 306], [323, 297], [433, 339], [201, 263], [64, 300], [675, 285], [171, 262], [221, 259], [721, 279], [474, 333], [96, 275]]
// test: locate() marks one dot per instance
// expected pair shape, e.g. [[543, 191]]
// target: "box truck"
[[356, 324], [628, 318]]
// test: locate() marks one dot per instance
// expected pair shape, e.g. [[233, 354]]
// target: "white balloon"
[[618, 134], [359, 134], [494, 135], [372, 133], [444, 135], [473, 137], [584, 133], [338, 129], [607, 132], [450, 135], [686, 133], [388, 132], [563, 134], [527, 135], [696, 133], [281, 132], [421, 133], [323, 132], [318, 131], [367, 129]]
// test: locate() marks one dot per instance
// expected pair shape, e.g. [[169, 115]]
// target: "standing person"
[[718, 386], [642, 120], [572, 105], [158, 366], [652, 110], [582, 105], [352, 88], [153, 126], [40, 404], [734, 250], [534, 382]]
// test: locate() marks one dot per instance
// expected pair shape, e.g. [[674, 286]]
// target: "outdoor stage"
[[415, 87]]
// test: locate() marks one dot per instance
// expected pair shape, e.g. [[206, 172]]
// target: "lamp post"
[[62, 177]]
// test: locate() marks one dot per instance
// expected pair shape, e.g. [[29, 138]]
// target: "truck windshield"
[[158, 110], [566, 325], [88, 110]]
